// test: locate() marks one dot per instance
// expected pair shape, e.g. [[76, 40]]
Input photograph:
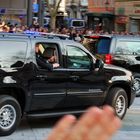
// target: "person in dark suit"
[[45, 58]]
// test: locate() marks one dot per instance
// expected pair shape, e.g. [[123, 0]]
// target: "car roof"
[[30, 34], [61, 36], [98, 36], [55, 38]]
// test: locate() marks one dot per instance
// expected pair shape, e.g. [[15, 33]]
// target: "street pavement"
[[38, 129], [131, 124]]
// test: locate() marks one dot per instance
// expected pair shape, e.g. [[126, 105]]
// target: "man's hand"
[[55, 65], [95, 124]]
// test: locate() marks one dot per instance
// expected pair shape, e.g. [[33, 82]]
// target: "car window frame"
[[78, 69], [58, 54]]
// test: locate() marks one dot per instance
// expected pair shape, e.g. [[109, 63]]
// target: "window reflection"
[[77, 58], [13, 53], [128, 48]]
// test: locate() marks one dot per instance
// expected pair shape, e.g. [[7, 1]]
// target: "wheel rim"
[[137, 86], [120, 105], [7, 117]]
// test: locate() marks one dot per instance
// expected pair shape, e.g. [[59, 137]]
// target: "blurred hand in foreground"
[[95, 124]]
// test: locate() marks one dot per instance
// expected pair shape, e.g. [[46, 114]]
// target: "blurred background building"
[[127, 15], [101, 13], [13, 10], [77, 8]]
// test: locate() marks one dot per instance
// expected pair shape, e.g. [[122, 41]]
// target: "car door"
[[48, 88], [85, 85]]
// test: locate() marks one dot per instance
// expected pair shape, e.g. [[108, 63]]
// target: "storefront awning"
[[135, 17], [108, 15]]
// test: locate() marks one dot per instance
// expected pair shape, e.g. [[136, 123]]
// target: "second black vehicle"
[[120, 50], [43, 77]]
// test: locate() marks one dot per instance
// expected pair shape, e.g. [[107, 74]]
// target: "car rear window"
[[127, 47], [103, 45]]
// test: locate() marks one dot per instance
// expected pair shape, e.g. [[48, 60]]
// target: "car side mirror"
[[99, 64]]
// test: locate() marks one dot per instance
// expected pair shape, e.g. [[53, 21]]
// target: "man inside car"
[[44, 59]]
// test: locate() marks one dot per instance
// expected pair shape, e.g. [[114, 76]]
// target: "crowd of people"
[[73, 33]]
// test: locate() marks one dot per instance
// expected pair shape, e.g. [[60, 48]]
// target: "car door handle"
[[74, 77], [42, 77]]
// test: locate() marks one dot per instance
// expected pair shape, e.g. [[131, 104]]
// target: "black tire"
[[117, 98], [137, 84], [10, 114]]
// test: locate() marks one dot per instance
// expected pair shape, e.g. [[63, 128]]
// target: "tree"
[[53, 6]]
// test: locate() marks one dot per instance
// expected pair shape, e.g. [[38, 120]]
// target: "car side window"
[[103, 46], [77, 58], [128, 47], [46, 53], [13, 53]]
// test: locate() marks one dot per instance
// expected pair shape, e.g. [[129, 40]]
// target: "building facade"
[[72, 8], [18, 10], [76, 8], [101, 12], [84, 8], [13, 10], [127, 15]]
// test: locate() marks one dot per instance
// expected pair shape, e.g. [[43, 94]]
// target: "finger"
[[109, 110], [61, 128], [110, 122], [104, 136], [115, 122], [108, 116], [85, 123], [106, 125], [114, 126], [90, 116], [97, 131]]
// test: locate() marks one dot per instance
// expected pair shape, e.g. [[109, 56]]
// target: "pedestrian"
[[2, 23]]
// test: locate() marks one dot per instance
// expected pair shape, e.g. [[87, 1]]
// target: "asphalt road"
[[131, 124], [38, 129]]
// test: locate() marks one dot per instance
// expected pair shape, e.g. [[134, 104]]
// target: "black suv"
[[120, 50], [81, 80]]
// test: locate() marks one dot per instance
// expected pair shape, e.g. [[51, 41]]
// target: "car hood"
[[117, 68]]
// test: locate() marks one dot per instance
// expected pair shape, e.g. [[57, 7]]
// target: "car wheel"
[[10, 115], [137, 84], [117, 98]]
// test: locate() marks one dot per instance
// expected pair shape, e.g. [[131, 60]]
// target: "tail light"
[[108, 59]]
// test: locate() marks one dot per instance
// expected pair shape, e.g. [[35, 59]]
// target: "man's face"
[[36, 49]]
